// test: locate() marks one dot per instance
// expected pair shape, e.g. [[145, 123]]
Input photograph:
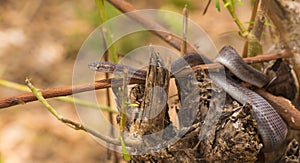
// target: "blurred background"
[[40, 39]]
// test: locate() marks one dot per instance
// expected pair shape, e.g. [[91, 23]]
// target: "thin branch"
[[169, 38], [249, 60], [185, 13], [72, 124], [231, 9], [61, 91], [106, 83], [124, 104], [105, 32], [69, 99], [112, 54], [260, 19], [206, 7], [123, 120], [251, 25], [253, 44], [253, 15]]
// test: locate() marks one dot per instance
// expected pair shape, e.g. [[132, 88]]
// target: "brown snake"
[[271, 127]]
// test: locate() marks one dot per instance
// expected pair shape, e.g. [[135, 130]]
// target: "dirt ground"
[[40, 40]]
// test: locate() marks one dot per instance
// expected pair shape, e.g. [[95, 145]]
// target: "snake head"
[[102, 66]]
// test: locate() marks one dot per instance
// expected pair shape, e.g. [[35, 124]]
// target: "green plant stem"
[[231, 9], [253, 44], [72, 124], [124, 101], [253, 15], [124, 106], [43, 100], [110, 54], [105, 30], [126, 155]]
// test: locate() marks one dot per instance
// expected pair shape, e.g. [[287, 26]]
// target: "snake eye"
[[98, 66]]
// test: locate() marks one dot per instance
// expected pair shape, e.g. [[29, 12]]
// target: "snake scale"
[[271, 126]]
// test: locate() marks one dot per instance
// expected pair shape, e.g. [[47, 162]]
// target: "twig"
[[249, 60], [106, 83], [167, 37], [231, 8], [24, 88], [105, 32], [206, 7], [253, 15], [260, 19], [126, 155], [62, 91], [112, 54], [47, 105], [253, 44], [72, 124], [124, 100], [183, 48], [123, 120]]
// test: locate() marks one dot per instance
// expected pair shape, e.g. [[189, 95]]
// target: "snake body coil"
[[271, 127]]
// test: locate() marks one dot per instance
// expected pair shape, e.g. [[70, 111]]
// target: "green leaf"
[[218, 5], [132, 104], [227, 4], [126, 155]]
